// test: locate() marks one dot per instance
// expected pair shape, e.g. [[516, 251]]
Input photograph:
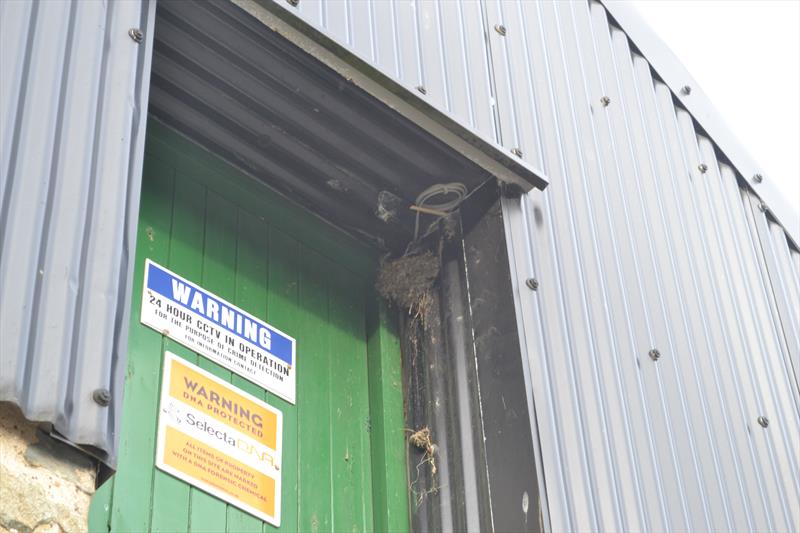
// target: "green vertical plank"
[[387, 433], [314, 437], [208, 513], [251, 295], [170, 494], [350, 454], [130, 509], [284, 313]]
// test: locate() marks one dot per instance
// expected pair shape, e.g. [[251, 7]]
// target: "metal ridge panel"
[[675, 75]]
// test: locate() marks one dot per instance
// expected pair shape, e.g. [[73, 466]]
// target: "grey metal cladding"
[[687, 91], [73, 96], [646, 239]]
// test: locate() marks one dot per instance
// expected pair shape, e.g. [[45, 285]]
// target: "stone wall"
[[45, 485]]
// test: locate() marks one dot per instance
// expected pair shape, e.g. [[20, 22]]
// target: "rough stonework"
[[45, 485]]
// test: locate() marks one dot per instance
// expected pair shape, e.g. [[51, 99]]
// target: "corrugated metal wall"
[[644, 240], [73, 96]]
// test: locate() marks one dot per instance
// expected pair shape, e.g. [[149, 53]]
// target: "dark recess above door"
[[242, 91]]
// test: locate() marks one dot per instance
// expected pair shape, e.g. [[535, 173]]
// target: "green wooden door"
[[343, 442]]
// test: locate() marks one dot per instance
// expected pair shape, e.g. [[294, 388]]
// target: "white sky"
[[745, 55]]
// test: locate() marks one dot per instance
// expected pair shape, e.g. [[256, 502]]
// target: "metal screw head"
[[532, 283], [654, 354], [101, 397], [517, 152], [605, 100], [422, 89], [686, 90], [293, 3], [499, 28], [763, 207], [763, 421], [136, 34], [703, 168], [758, 178]]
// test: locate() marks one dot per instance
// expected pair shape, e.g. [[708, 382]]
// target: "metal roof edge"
[[481, 151], [699, 105]]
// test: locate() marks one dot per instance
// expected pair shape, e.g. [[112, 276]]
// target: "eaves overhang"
[[670, 69], [318, 128], [506, 166]]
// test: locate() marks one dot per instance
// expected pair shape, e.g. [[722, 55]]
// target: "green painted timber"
[[388, 422], [343, 442]]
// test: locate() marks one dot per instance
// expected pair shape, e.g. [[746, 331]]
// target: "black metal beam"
[[465, 382], [510, 458]]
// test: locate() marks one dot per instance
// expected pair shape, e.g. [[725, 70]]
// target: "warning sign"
[[220, 439], [219, 330]]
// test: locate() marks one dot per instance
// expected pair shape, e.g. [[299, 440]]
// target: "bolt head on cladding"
[[654, 354], [102, 397], [136, 34], [532, 283]]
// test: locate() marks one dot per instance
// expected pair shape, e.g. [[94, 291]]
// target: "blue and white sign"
[[219, 330]]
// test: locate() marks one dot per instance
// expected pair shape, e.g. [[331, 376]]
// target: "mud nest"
[[407, 282]]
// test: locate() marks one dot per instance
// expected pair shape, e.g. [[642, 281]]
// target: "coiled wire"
[[453, 194]]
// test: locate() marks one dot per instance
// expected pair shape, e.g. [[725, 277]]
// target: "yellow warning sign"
[[220, 439]]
